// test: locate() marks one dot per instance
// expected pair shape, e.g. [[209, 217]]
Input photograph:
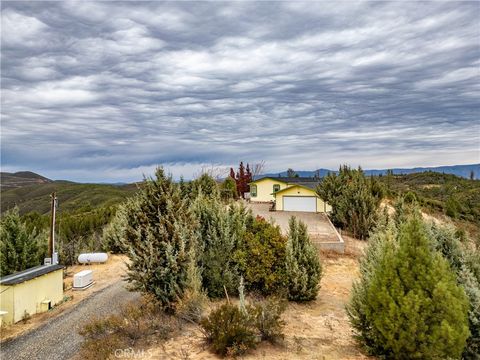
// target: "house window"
[[276, 187], [253, 190]]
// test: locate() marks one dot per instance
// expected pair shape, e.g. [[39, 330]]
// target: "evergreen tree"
[[413, 307], [354, 198], [448, 243], [19, 248], [382, 239], [261, 257], [220, 230], [303, 267], [184, 187], [114, 232], [228, 189], [206, 185], [159, 238]]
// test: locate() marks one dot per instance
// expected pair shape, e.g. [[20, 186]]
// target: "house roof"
[[295, 185], [28, 274], [305, 181]]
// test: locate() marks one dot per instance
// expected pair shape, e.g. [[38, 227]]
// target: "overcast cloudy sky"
[[105, 91]]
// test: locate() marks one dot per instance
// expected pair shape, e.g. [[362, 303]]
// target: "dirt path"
[[58, 338]]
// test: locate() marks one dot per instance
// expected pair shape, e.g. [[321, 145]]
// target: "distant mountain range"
[[458, 170]]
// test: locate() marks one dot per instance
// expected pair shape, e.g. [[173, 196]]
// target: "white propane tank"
[[92, 258]]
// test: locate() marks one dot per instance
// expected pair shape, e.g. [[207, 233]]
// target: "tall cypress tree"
[[382, 240], [159, 240], [303, 267], [220, 231]]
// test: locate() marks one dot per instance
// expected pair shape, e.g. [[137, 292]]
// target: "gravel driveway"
[[59, 338]]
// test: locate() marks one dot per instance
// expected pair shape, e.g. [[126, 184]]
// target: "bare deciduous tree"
[[217, 172], [258, 168]]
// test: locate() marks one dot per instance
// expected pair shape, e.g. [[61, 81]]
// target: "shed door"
[[300, 203]]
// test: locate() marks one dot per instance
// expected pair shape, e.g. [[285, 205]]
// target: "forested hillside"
[[71, 196], [454, 196]]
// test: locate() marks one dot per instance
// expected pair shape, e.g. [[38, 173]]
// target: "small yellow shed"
[[31, 291]]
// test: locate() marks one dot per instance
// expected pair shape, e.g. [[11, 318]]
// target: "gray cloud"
[[104, 91]]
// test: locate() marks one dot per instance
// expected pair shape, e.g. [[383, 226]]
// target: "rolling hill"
[[20, 179], [31, 192]]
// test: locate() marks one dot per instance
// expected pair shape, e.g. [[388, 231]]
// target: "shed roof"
[[28, 274]]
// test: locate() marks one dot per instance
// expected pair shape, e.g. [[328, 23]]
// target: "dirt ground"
[[103, 275], [317, 330]]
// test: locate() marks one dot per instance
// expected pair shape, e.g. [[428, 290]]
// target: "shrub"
[[267, 317], [135, 321], [159, 240], [410, 197], [229, 330], [303, 267], [404, 288], [452, 207], [262, 257], [191, 306], [232, 330]]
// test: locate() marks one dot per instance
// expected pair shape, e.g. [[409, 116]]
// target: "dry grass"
[[137, 323], [316, 330]]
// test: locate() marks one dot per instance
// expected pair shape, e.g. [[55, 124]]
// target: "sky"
[[107, 91]]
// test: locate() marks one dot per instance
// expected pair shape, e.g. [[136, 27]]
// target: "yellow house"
[[29, 292], [288, 194]]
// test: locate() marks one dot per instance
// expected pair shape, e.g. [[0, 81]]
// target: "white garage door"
[[300, 203]]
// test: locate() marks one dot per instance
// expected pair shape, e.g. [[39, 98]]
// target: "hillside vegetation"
[[19, 179], [71, 196], [454, 196]]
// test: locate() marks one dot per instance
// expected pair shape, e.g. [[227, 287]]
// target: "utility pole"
[[51, 242]]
